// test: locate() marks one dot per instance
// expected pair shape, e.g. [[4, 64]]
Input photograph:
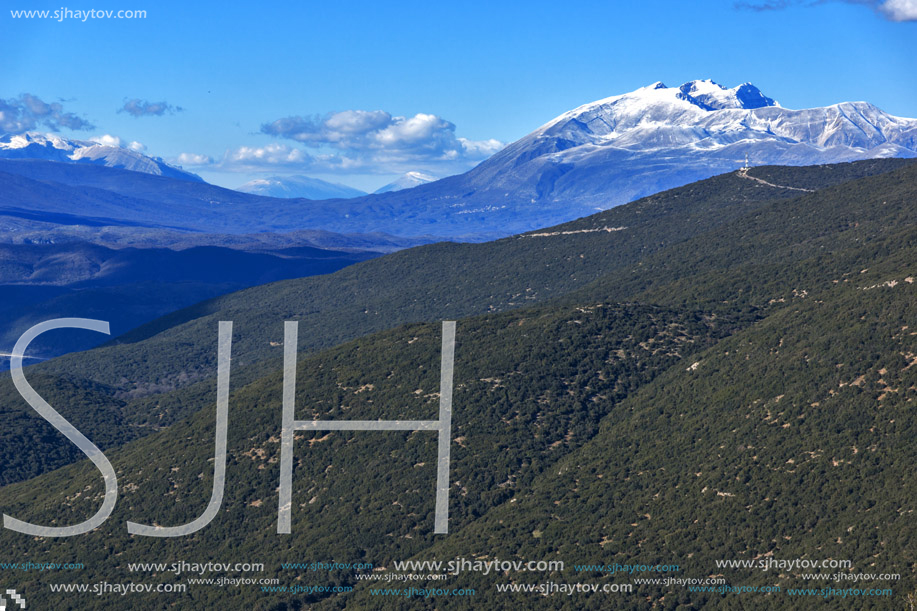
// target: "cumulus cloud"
[[354, 141], [106, 140], [899, 10], [893, 10], [194, 159], [249, 159], [265, 157], [109, 140], [364, 138], [481, 149], [141, 108], [28, 112]]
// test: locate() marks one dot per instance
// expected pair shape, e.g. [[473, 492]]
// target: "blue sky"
[[357, 92]]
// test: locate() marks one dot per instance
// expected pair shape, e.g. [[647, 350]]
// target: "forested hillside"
[[741, 385]]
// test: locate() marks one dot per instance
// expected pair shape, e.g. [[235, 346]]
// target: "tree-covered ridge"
[[791, 439], [531, 387], [763, 405], [671, 241], [444, 281]]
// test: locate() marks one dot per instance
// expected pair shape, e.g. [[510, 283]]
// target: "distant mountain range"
[[83, 195], [131, 286], [50, 147], [306, 187], [592, 158], [299, 186]]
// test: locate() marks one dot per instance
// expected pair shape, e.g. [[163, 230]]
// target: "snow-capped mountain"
[[50, 147], [299, 186], [408, 180], [617, 149], [591, 158], [708, 115]]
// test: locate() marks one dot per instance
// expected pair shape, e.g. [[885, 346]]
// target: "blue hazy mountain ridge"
[[131, 286], [594, 157], [84, 194], [299, 186]]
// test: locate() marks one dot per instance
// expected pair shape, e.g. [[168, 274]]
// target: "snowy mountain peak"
[[657, 116], [626, 146], [407, 180], [21, 141], [751, 97], [717, 97], [51, 147]]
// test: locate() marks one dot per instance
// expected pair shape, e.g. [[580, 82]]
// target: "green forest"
[[723, 371]]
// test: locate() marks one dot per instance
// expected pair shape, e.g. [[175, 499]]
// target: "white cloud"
[[419, 131], [373, 142], [893, 10], [899, 10], [276, 157], [355, 122], [378, 138], [107, 140], [481, 149], [271, 155], [358, 141], [193, 159]]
